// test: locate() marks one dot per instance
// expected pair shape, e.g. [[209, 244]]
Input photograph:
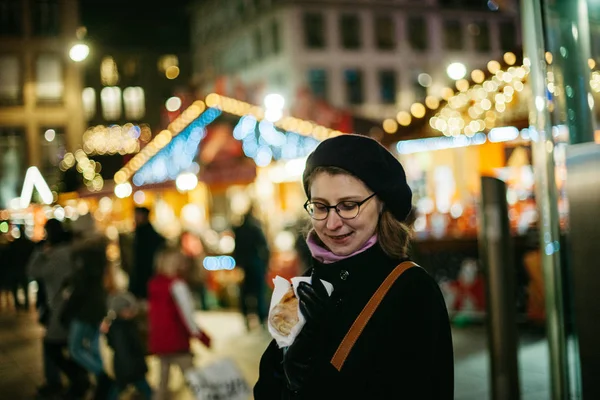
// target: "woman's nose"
[[334, 221]]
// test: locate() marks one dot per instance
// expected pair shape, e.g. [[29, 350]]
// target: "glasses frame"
[[358, 204]]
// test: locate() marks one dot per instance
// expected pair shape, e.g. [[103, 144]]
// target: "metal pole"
[[497, 256], [568, 34], [542, 145]]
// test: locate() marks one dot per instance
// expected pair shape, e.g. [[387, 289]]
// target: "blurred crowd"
[[68, 279]]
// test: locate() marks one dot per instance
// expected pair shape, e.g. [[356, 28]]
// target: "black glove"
[[315, 306]]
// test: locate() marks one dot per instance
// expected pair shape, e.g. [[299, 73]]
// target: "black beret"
[[369, 161]]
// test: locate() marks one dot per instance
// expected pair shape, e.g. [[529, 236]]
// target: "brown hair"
[[393, 235], [170, 261]]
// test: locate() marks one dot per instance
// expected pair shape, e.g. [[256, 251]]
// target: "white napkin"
[[281, 286]]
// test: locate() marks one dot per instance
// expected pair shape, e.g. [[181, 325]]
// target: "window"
[[453, 39], [317, 82], [11, 17], [49, 74], [314, 31], [258, 45], [387, 86], [385, 35], [109, 74], [418, 86], [135, 105], [10, 80], [350, 31], [12, 163], [276, 40], [110, 98], [52, 141], [481, 36], [354, 86], [88, 98], [417, 33], [508, 36], [46, 17]]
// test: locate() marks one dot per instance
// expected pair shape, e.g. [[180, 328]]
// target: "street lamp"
[[79, 52], [456, 71]]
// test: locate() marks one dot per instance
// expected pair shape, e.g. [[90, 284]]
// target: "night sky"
[[155, 24]]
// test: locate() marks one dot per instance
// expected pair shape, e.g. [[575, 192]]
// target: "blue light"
[[138, 180], [216, 263], [492, 5], [264, 155], [179, 154], [250, 147], [271, 135], [245, 126]]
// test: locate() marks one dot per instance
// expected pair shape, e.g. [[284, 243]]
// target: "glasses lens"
[[317, 210], [347, 209]]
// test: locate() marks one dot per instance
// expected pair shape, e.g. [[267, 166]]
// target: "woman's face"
[[344, 236]]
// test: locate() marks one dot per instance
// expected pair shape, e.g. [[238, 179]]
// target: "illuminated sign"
[[34, 179]]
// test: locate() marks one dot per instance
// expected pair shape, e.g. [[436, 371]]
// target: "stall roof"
[[200, 114]]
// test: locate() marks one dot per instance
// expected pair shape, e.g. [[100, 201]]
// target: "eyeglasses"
[[345, 209]]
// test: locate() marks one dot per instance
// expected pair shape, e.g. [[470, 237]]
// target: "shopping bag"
[[218, 380]]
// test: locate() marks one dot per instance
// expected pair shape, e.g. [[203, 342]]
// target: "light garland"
[[115, 139], [159, 141], [232, 106], [90, 169], [471, 109], [478, 108]]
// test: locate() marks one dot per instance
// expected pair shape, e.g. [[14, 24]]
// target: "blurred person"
[[52, 264], [18, 254], [146, 243], [193, 271], [171, 317], [121, 330], [358, 200], [86, 307], [252, 254], [5, 285], [300, 229]]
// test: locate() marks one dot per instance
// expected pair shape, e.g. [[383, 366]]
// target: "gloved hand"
[[315, 306]]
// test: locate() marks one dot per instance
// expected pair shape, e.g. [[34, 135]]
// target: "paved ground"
[[20, 355]]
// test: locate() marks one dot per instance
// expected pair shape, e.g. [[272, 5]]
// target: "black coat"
[[404, 352], [87, 302], [251, 251], [129, 362], [146, 244]]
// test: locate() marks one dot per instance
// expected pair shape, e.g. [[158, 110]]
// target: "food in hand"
[[284, 315]]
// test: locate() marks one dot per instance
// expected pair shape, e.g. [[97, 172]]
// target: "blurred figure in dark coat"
[[145, 246], [123, 337], [52, 264], [252, 255], [18, 254]]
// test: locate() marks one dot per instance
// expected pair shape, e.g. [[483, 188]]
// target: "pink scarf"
[[326, 256]]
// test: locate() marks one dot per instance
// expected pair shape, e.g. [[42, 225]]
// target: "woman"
[[358, 200], [86, 307], [52, 265]]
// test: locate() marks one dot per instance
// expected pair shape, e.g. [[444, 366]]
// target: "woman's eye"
[[346, 206], [319, 207]]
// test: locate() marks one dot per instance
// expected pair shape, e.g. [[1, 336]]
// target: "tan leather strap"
[[365, 315]]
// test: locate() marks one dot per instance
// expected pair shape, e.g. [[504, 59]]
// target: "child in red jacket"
[[171, 318]]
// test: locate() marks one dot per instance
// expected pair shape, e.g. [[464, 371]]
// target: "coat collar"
[[367, 269]]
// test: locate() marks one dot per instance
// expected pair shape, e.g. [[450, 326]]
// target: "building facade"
[[40, 89], [370, 57], [136, 79]]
